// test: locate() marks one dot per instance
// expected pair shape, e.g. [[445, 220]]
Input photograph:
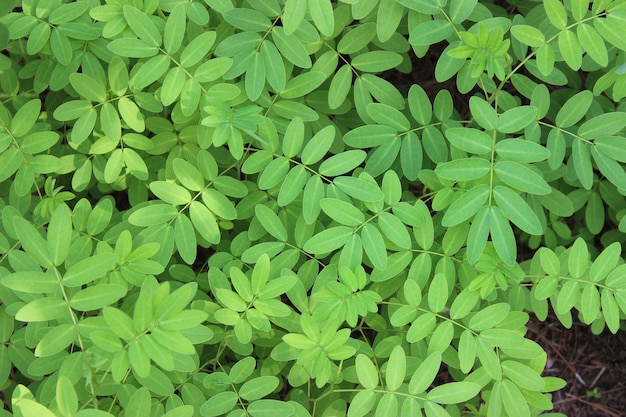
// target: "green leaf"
[[466, 206], [25, 118], [219, 204], [570, 49], [411, 156], [516, 119], [34, 282], [255, 77], [489, 317], [342, 212], [574, 108], [293, 14], [139, 403], [517, 210], [519, 150], [119, 322], [270, 408], [247, 19], [523, 376], [556, 13], [430, 32], [467, 351], [521, 177], [150, 71], [60, 234], [30, 407], [270, 222], [188, 175], [469, 140], [152, 215], [142, 25], [362, 403], [42, 309], [97, 297], [603, 125], [356, 38], [66, 397], [376, 61], [396, 369], [578, 258], [56, 340], [32, 242], [512, 399], [453, 392], [219, 404], [484, 114], [592, 43], [259, 387], [131, 114], [175, 27], [71, 110], [340, 86], [204, 222], [464, 169], [438, 293], [502, 236], [374, 246], [605, 262], [461, 9], [419, 105], [582, 163], [172, 85], [318, 146], [359, 188], [170, 193], [366, 372], [342, 163], [610, 310], [291, 48], [528, 35], [294, 137], [369, 136], [425, 373], [322, 13], [386, 115], [328, 240], [132, 48]]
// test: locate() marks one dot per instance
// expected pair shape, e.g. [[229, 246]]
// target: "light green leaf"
[[270, 408], [570, 49], [374, 246], [132, 48], [66, 397], [259, 387], [464, 169], [142, 25], [218, 404], [376, 61], [502, 236], [438, 293], [247, 19], [528, 35], [97, 297], [318, 146], [556, 13], [56, 340], [342, 163], [425, 373], [42, 309], [512, 399], [430, 32], [519, 150], [60, 234], [521, 177], [516, 119], [574, 108], [170, 193], [204, 222], [342, 212], [419, 105], [152, 214], [359, 188], [489, 316], [25, 118], [469, 140], [578, 258], [466, 206], [322, 13], [270, 222], [32, 242], [396, 369], [517, 210], [592, 43], [175, 26], [366, 372], [453, 392], [328, 240]]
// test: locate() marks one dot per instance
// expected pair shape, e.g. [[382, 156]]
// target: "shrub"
[[225, 208]]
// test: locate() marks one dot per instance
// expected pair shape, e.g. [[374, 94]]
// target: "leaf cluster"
[[224, 208]]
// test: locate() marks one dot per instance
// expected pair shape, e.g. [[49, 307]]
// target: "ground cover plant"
[[224, 207]]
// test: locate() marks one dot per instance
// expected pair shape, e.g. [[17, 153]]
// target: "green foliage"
[[223, 207]]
